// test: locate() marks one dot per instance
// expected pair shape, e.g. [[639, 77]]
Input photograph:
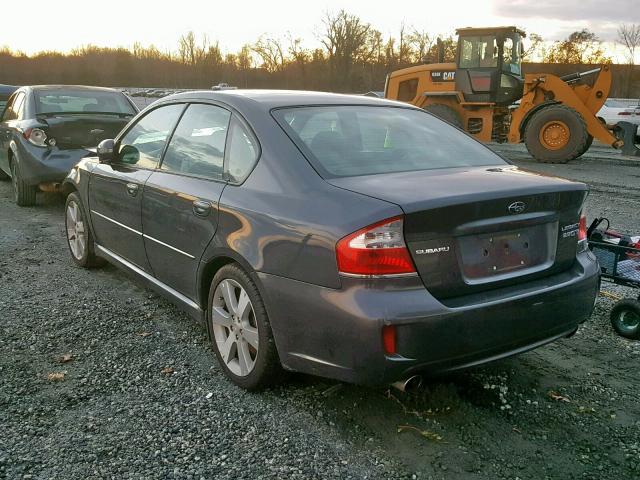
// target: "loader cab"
[[489, 64]]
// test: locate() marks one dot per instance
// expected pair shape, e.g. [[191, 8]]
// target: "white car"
[[617, 110]]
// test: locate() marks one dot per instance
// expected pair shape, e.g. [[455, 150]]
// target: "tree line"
[[352, 56]]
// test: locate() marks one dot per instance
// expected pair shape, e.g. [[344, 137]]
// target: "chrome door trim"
[[168, 246], [117, 223], [109, 255], [143, 235]]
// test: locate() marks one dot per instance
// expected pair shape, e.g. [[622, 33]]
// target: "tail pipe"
[[408, 384]]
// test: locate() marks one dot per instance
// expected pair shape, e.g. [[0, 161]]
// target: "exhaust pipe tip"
[[412, 383]]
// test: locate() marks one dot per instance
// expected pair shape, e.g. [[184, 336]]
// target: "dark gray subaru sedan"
[[348, 237]]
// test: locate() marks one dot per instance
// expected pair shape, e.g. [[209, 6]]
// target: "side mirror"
[[129, 155], [105, 151]]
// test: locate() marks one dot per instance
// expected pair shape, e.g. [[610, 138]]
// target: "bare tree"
[[271, 53], [536, 43], [629, 37], [346, 40], [189, 51], [421, 41]]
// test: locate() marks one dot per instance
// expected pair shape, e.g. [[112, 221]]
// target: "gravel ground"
[[101, 378]]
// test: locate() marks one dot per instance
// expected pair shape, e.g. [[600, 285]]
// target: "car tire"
[[242, 340], [556, 134], [446, 113], [78, 233], [23, 194], [625, 318]]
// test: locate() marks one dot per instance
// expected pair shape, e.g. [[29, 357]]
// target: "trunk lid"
[[82, 130], [474, 229]]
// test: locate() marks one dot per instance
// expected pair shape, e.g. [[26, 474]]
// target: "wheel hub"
[[554, 135]]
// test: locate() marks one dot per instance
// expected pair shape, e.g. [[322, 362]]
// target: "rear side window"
[[243, 152], [407, 90], [11, 113], [343, 140], [197, 146], [143, 144]]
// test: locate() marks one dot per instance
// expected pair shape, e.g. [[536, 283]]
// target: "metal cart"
[[620, 263]]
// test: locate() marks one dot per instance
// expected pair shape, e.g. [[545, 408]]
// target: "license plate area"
[[492, 256]]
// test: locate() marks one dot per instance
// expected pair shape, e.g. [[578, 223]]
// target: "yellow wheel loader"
[[485, 93]]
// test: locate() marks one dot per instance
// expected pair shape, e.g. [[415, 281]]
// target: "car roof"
[[71, 87], [7, 89], [269, 99]]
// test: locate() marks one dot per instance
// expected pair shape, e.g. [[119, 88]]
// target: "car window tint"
[[18, 108], [11, 112], [197, 146], [143, 144], [243, 152], [70, 100], [344, 140]]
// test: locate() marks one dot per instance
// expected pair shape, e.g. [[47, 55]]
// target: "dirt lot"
[[101, 378]]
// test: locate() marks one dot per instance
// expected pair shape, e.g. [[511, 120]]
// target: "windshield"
[[67, 100], [479, 51], [343, 141]]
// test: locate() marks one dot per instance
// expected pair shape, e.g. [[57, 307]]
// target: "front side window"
[[197, 146], [144, 143], [479, 51], [511, 60], [365, 140]]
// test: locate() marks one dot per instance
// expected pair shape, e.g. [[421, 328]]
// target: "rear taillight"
[[378, 249], [624, 113], [582, 228], [582, 234], [36, 136]]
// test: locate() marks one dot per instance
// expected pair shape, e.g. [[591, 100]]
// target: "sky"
[[72, 23]]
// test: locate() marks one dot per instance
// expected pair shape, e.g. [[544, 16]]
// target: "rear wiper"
[[56, 114]]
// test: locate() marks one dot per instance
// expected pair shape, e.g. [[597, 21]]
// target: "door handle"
[[132, 189], [201, 208]]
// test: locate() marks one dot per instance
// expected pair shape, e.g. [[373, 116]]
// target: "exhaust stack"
[[409, 384]]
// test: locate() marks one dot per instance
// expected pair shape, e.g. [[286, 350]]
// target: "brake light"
[[378, 249], [583, 243], [582, 228], [36, 136], [389, 339], [624, 113]]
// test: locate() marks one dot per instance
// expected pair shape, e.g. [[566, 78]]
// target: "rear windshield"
[[344, 141], [81, 101]]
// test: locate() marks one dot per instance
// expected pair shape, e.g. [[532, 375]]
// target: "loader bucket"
[[628, 133]]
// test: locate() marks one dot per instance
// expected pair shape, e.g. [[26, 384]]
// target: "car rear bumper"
[[337, 333], [45, 165]]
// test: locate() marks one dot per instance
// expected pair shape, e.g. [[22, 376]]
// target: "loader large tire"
[[446, 113], [556, 134], [587, 146]]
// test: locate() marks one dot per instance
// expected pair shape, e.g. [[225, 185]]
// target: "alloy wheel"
[[234, 327], [76, 235]]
